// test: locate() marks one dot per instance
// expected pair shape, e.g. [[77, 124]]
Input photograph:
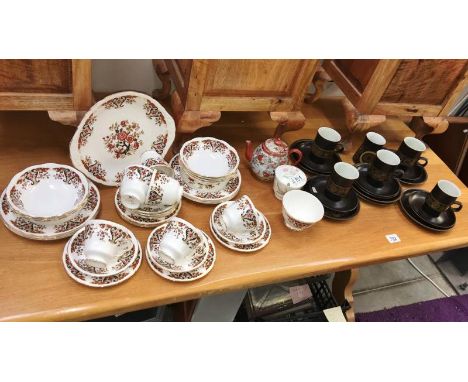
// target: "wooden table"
[[34, 286]]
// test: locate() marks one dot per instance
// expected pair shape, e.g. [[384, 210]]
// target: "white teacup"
[[155, 161], [134, 186], [179, 240], [240, 216], [163, 190], [99, 253]]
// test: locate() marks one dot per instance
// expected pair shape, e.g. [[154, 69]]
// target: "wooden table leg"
[[163, 74], [342, 289], [428, 125], [287, 121]]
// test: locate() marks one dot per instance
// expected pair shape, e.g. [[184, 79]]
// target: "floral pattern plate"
[[104, 231], [51, 230], [138, 220], [189, 265], [99, 281], [116, 131], [196, 274], [245, 247], [229, 237], [202, 196]]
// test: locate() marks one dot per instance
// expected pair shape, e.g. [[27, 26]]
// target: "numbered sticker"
[[314, 190], [393, 238]]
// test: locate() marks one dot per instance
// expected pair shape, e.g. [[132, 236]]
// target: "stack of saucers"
[[238, 225], [180, 252], [48, 202], [148, 194], [207, 169], [102, 254]]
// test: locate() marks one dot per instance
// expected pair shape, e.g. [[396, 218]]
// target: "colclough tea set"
[[122, 141]]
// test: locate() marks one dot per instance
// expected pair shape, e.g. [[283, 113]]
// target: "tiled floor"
[[397, 283]]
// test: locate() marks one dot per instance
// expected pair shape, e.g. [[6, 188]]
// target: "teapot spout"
[[248, 150]]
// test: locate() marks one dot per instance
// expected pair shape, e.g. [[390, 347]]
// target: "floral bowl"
[[209, 158], [47, 192]]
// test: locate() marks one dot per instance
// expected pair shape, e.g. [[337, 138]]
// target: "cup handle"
[[398, 173], [458, 208], [299, 156], [339, 148], [424, 161], [366, 153]]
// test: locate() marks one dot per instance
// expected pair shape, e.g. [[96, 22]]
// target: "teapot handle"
[[299, 156]]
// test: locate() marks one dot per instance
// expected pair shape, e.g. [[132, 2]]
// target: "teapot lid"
[[275, 147]]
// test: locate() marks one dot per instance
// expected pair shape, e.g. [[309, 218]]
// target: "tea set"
[[122, 141]]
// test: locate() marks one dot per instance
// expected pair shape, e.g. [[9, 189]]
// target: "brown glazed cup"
[[410, 152], [341, 180], [327, 143], [442, 197], [373, 142], [383, 168]]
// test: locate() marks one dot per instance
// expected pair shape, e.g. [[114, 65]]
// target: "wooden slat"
[[226, 103], [44, 101], [346, 86], [82, 84], [452, 97], [402, 109], [303, 81], [196, 84], [376, 86]]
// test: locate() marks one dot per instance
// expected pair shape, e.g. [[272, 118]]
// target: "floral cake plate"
[[245, 247], [51, 230], [116, 131], [193, 275], [100, 281], [141, 221], [229, 191]]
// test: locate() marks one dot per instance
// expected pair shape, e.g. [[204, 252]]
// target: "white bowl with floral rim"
[[50, 230], [209, 158], [204, 196], [301, 210], [193, 275], [47, 192], [186, 265], [110, 234], [116, 131]]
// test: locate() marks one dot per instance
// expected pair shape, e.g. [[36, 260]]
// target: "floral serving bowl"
[[209, 159], [47, 192]]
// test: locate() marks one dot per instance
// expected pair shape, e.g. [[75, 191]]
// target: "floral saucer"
[[52, 230], [105, 231], [252, 237], [99, 281], [116, 131], [140, 221], [196, 274], [245, 247], [189, 264], [229, 191]]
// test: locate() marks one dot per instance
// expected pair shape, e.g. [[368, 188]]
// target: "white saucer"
[[187, 265], [196, 274], [139, 221], [205, 197], [245, 247], [52, 230], [97, 281], [230, 237]]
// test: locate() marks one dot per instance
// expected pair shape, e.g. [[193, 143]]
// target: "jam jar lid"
[[275, 147]]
